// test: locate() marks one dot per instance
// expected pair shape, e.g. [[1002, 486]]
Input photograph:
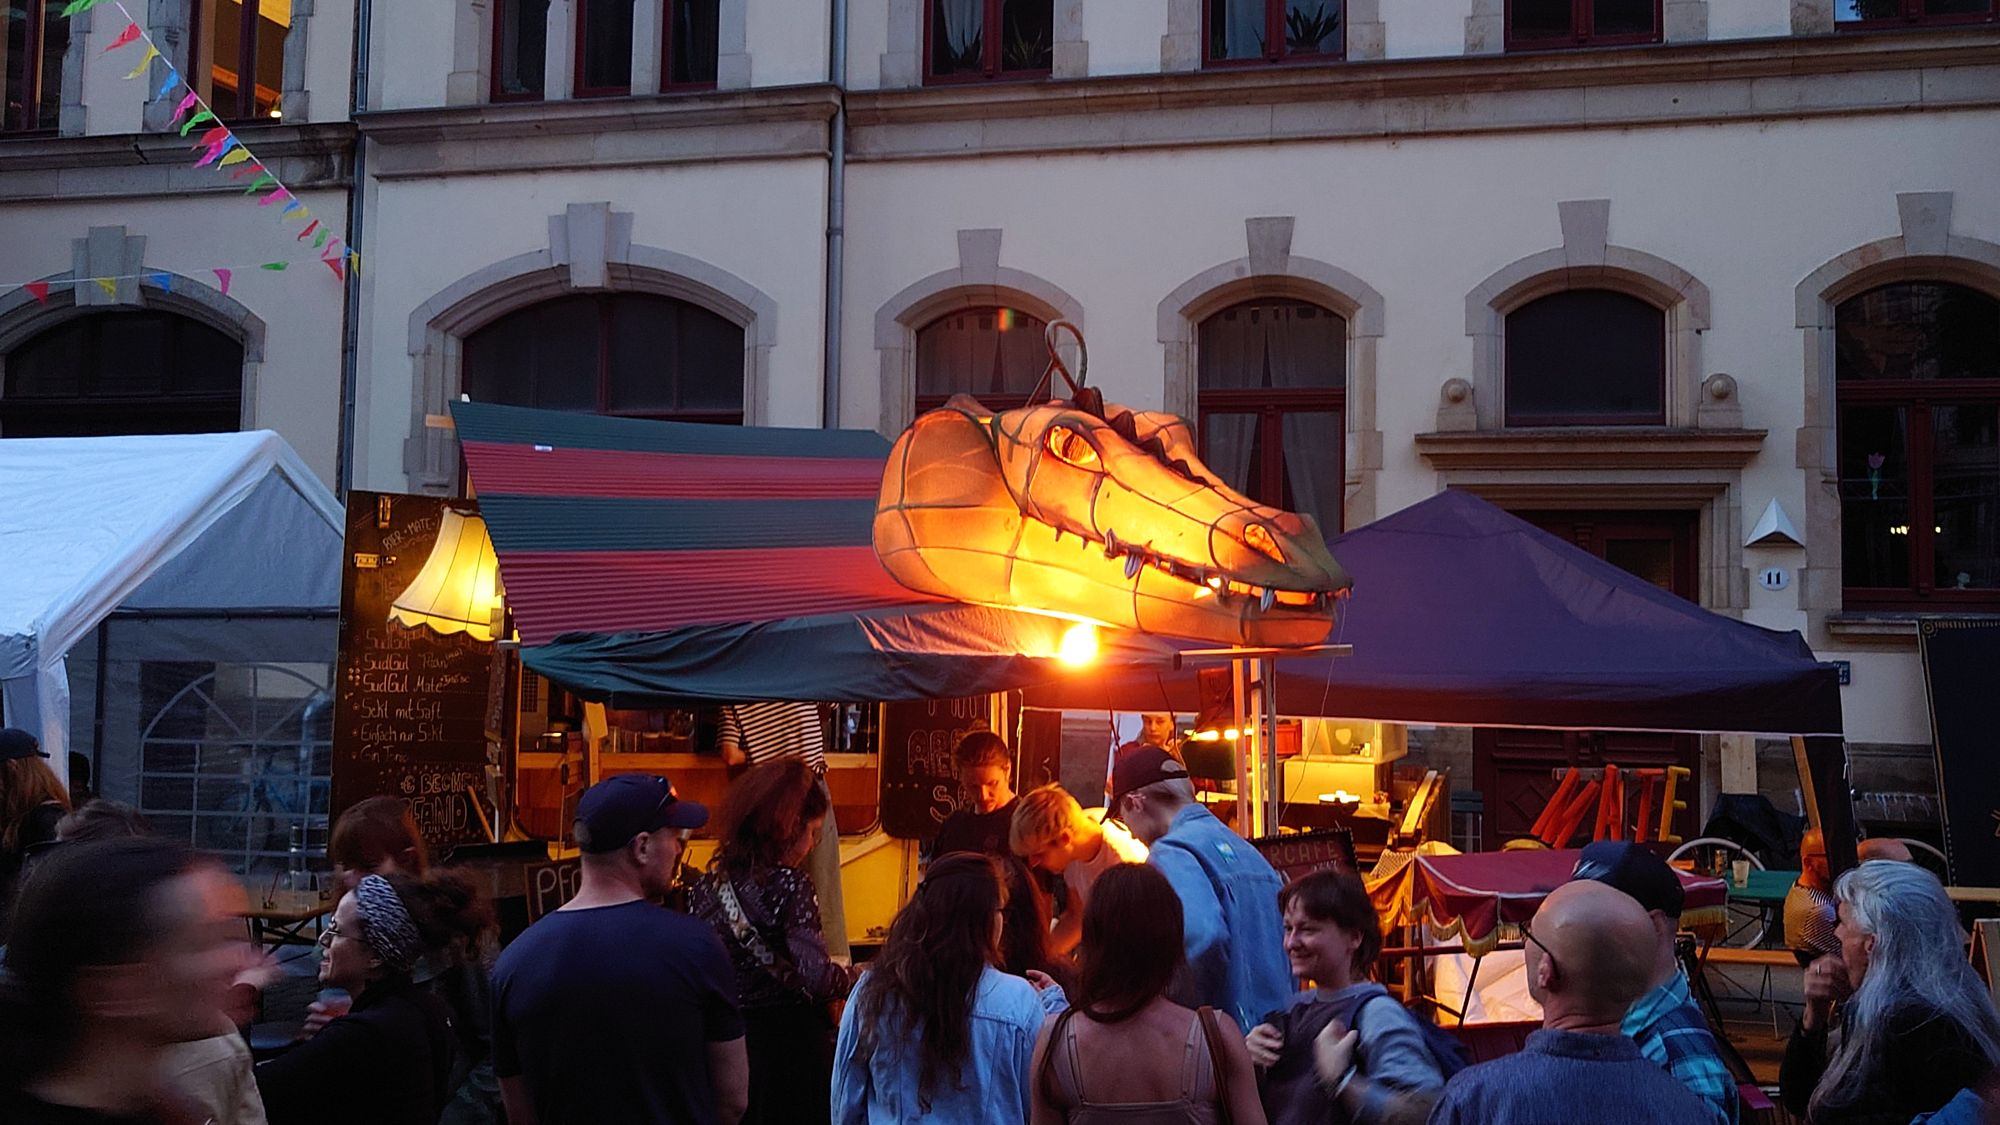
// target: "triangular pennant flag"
[[200, 116], [187, 103], [321, 240], [275, 197], [310, 227], [264, 179], [334, 264], [39, 290], [130, 34], [222, 278], [274, 265], [152, 53], [250, 169], [354, 262], [108, 284], [173, 80], [294, 205], [163, 280], [236, 155], [208, 157], [75, 6], [214, 136]]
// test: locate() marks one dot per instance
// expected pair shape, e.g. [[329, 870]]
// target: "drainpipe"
[[350, 342], [836, 217]]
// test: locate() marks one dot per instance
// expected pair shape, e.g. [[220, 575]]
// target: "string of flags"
[[159, 279], [220, 148]]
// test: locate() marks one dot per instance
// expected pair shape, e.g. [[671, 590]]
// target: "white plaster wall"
[[1424, 28], [868, 38], [1124, 35], [761, 221], [788, 41], [1746, 209], [330, 59], [298, 386]]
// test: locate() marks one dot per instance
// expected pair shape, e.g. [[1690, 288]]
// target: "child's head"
[[1332, 933]]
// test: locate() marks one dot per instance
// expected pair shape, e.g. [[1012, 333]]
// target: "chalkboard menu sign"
[[1303, 853], [411, 705], [919, 786], [1959, 658]]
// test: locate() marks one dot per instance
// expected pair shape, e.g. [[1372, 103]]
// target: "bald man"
[[1883, 847], [1810, 912], [1590, 955]]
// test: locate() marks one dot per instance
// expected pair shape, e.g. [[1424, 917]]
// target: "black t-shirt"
[[968, 831], [607, 1014]]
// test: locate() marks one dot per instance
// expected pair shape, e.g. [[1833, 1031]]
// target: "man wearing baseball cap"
[[1229, 894], [613, 1008], [1665, 1022]]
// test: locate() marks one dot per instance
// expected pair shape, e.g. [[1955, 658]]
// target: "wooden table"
[[278, 918], [1988, 895]]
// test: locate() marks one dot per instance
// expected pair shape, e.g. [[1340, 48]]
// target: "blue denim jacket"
[[991, 1090], [1229, 910]]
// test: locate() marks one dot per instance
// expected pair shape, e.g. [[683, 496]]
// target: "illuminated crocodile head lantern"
[[1092, 511]]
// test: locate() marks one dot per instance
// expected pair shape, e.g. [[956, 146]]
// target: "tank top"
[[1195, 1106]]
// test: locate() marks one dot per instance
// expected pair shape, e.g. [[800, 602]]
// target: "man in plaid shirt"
[[1665, 1023]]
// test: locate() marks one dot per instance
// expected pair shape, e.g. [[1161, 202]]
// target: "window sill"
[[1607, 447], [1892, 624]]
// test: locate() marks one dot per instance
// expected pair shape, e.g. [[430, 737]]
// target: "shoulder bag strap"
[[1217, 1062], [739, 923]]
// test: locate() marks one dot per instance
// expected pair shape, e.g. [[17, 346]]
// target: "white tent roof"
[[211, 521]]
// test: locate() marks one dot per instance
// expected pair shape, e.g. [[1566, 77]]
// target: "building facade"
[[1638, 270]]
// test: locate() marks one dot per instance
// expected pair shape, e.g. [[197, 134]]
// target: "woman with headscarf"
[[1916, 1025], [389, 1059]]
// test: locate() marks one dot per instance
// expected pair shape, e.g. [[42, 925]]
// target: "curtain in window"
[[959, 25], [1233, 356], [1304, 349], [1242, 32]]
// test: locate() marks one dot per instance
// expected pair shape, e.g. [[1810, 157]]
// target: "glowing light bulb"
[[1232, 734], [1078, 646]]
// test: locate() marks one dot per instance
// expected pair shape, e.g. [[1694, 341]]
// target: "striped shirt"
[[767, 731], [1810, 915], [1672, 1032]]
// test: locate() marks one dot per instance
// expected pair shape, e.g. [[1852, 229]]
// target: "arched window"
[[1272, 400], [1586, 357], [993, 353], [1917, 389], [635, 355], [125, 372]]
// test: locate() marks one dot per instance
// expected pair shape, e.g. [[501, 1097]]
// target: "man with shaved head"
[[1590, 955], [1809, 905]]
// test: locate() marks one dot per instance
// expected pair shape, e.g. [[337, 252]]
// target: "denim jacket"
[[1229, 911], [992, 1089]]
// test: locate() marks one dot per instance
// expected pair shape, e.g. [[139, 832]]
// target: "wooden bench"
[[1769, 958]]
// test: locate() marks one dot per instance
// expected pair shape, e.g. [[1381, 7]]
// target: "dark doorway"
[[1514, 768]]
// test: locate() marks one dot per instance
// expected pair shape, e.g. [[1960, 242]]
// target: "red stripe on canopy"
[[520, 470], [555, 592]]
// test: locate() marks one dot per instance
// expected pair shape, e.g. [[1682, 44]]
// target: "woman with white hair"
[[1896, 1023]]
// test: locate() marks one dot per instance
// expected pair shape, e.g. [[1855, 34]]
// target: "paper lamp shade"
[[458, 590], [1095, 512]]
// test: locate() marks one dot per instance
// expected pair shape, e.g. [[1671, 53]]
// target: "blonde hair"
[[1043, 813], [25, 785]]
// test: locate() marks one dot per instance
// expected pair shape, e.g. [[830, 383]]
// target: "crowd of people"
[[1136, 964]]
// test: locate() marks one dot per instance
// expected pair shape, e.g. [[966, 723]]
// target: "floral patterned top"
[[782, 909]]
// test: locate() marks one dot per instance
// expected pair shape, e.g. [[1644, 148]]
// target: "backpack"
[[1290, 1089], [1446, 1050]]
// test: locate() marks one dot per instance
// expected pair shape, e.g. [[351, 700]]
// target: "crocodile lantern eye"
[[1072, 448], [1259, 538]]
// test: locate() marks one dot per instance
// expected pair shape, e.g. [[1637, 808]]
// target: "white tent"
[[190, 521]]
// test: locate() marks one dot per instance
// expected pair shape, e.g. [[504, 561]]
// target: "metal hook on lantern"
[[1056, 364]]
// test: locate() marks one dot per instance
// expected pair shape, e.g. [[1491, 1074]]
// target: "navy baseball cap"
[[17, 743], [1635, 870], [616, 809], [1138, 765]]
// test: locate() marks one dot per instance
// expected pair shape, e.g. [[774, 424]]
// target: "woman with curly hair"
[[761, 903], [936, 1031], [32, 801]]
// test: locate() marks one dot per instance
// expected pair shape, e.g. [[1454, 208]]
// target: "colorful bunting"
[[129, 35], [75, 6], [39, 290], [187, 103], [334, 264], [164, 280], [152, 53], [249, 169], [264, 179], [237, 155], [199, 117], [310, 227], [222, 278], [275, 197], [320, 240], [275, 266], [214, 136], [294, 205], [354, 262], [167, 87], [108, 284]]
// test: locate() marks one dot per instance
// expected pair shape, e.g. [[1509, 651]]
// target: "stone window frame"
[[1181, 47], [470, 81], [1681, 21], [1587, 260], [902, 65], [978, 280], [1270, 269], [109, 251], [590, 250], [1925, 250]]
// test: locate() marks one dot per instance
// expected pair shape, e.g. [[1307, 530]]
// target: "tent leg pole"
[[1267, 671], [1246, 792], [1828, 796]]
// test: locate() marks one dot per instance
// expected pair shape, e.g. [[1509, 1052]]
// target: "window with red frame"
[[124, 372], [1534, 25], [633, 355], [520, 49], [993, 353], [1863, 14], [1586, 357], [1271, 401], [691, 45], [1242, 31], [1917, 392], [603, 48], [981, 40], [35, 37], [242, 55]]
